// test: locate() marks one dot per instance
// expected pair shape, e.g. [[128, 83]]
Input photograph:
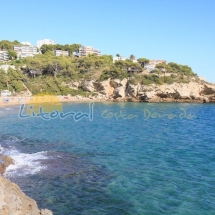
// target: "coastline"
[[19, 100]]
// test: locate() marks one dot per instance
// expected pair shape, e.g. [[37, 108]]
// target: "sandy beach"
[[18, 100]]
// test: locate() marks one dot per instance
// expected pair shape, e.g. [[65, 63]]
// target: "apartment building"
[[86, 50], [4, 55], [119, 58], [61, 53], [123, 58], [26, 43], [46, 42], [25, 51], [152, 64]]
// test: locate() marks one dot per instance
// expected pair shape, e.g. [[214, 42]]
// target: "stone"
[[5, 161], [119, 88], [14, 202], [88, 86], [132, 90]]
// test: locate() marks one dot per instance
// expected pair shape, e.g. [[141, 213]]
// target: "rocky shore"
[[123, 90], [117, 90], [5, 161], [12, 200]]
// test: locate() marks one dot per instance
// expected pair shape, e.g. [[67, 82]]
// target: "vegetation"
[[48, 73], [71, 48], [7, 45], [143, 61]]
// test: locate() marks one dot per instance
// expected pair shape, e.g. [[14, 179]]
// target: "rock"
[[208, 90], [45, 212], [14, 202], [88, 86], [104, 88], [101, 97], [171, 93], [205, 99], [132, 90], [119, 88], [5, 161], [74, 85], [79, 97]]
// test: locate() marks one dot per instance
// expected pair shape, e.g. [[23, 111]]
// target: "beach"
[[18, 100]]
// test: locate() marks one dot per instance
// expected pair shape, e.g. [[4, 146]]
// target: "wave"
[[24, 164], [8, 108], [1, 149]]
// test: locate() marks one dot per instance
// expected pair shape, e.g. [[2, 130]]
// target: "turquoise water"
[[116, 165]]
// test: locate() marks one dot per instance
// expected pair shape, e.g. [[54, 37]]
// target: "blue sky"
[[181, 31]]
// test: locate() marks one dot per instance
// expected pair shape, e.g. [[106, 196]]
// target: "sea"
[[114, 158]]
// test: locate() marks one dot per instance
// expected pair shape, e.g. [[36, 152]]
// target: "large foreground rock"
[[14, 202]]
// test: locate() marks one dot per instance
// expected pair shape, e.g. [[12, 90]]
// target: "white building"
[[118, 58], [86, 50], [6, 67], [61, 53], [152, 64], [46, 42], [123, 58], [5, 93], [26, 43], [25, 51], [4, 56]]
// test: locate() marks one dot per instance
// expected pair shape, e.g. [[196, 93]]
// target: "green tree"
[[6, 44], [12, 54], [132, 57], [143, 61]]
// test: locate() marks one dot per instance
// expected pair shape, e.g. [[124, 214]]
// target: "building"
[[86, 50], [152, 64], [46, 42], [123, 58], [4, 56], [61, 53], [5, 93], [6, 67], [118, 58], [25, 51], [26, 43]]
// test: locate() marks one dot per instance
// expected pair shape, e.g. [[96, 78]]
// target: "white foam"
[[24, 164], [1, 149], [8, 108]]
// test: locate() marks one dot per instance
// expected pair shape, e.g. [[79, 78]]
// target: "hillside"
[[98, 77]]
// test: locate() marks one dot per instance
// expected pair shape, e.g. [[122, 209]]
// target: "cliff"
[[12, 200], [123, 90]]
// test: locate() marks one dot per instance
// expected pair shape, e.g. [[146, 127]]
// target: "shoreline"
[[20, 100], [6, 101]]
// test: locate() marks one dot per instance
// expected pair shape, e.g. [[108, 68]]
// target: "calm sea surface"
[[132, 158]]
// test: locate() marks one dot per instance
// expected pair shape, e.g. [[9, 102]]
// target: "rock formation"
[[14, 202], [5, 161], [122, 90]]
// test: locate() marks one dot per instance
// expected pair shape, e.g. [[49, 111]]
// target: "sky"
[[181, 31]]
